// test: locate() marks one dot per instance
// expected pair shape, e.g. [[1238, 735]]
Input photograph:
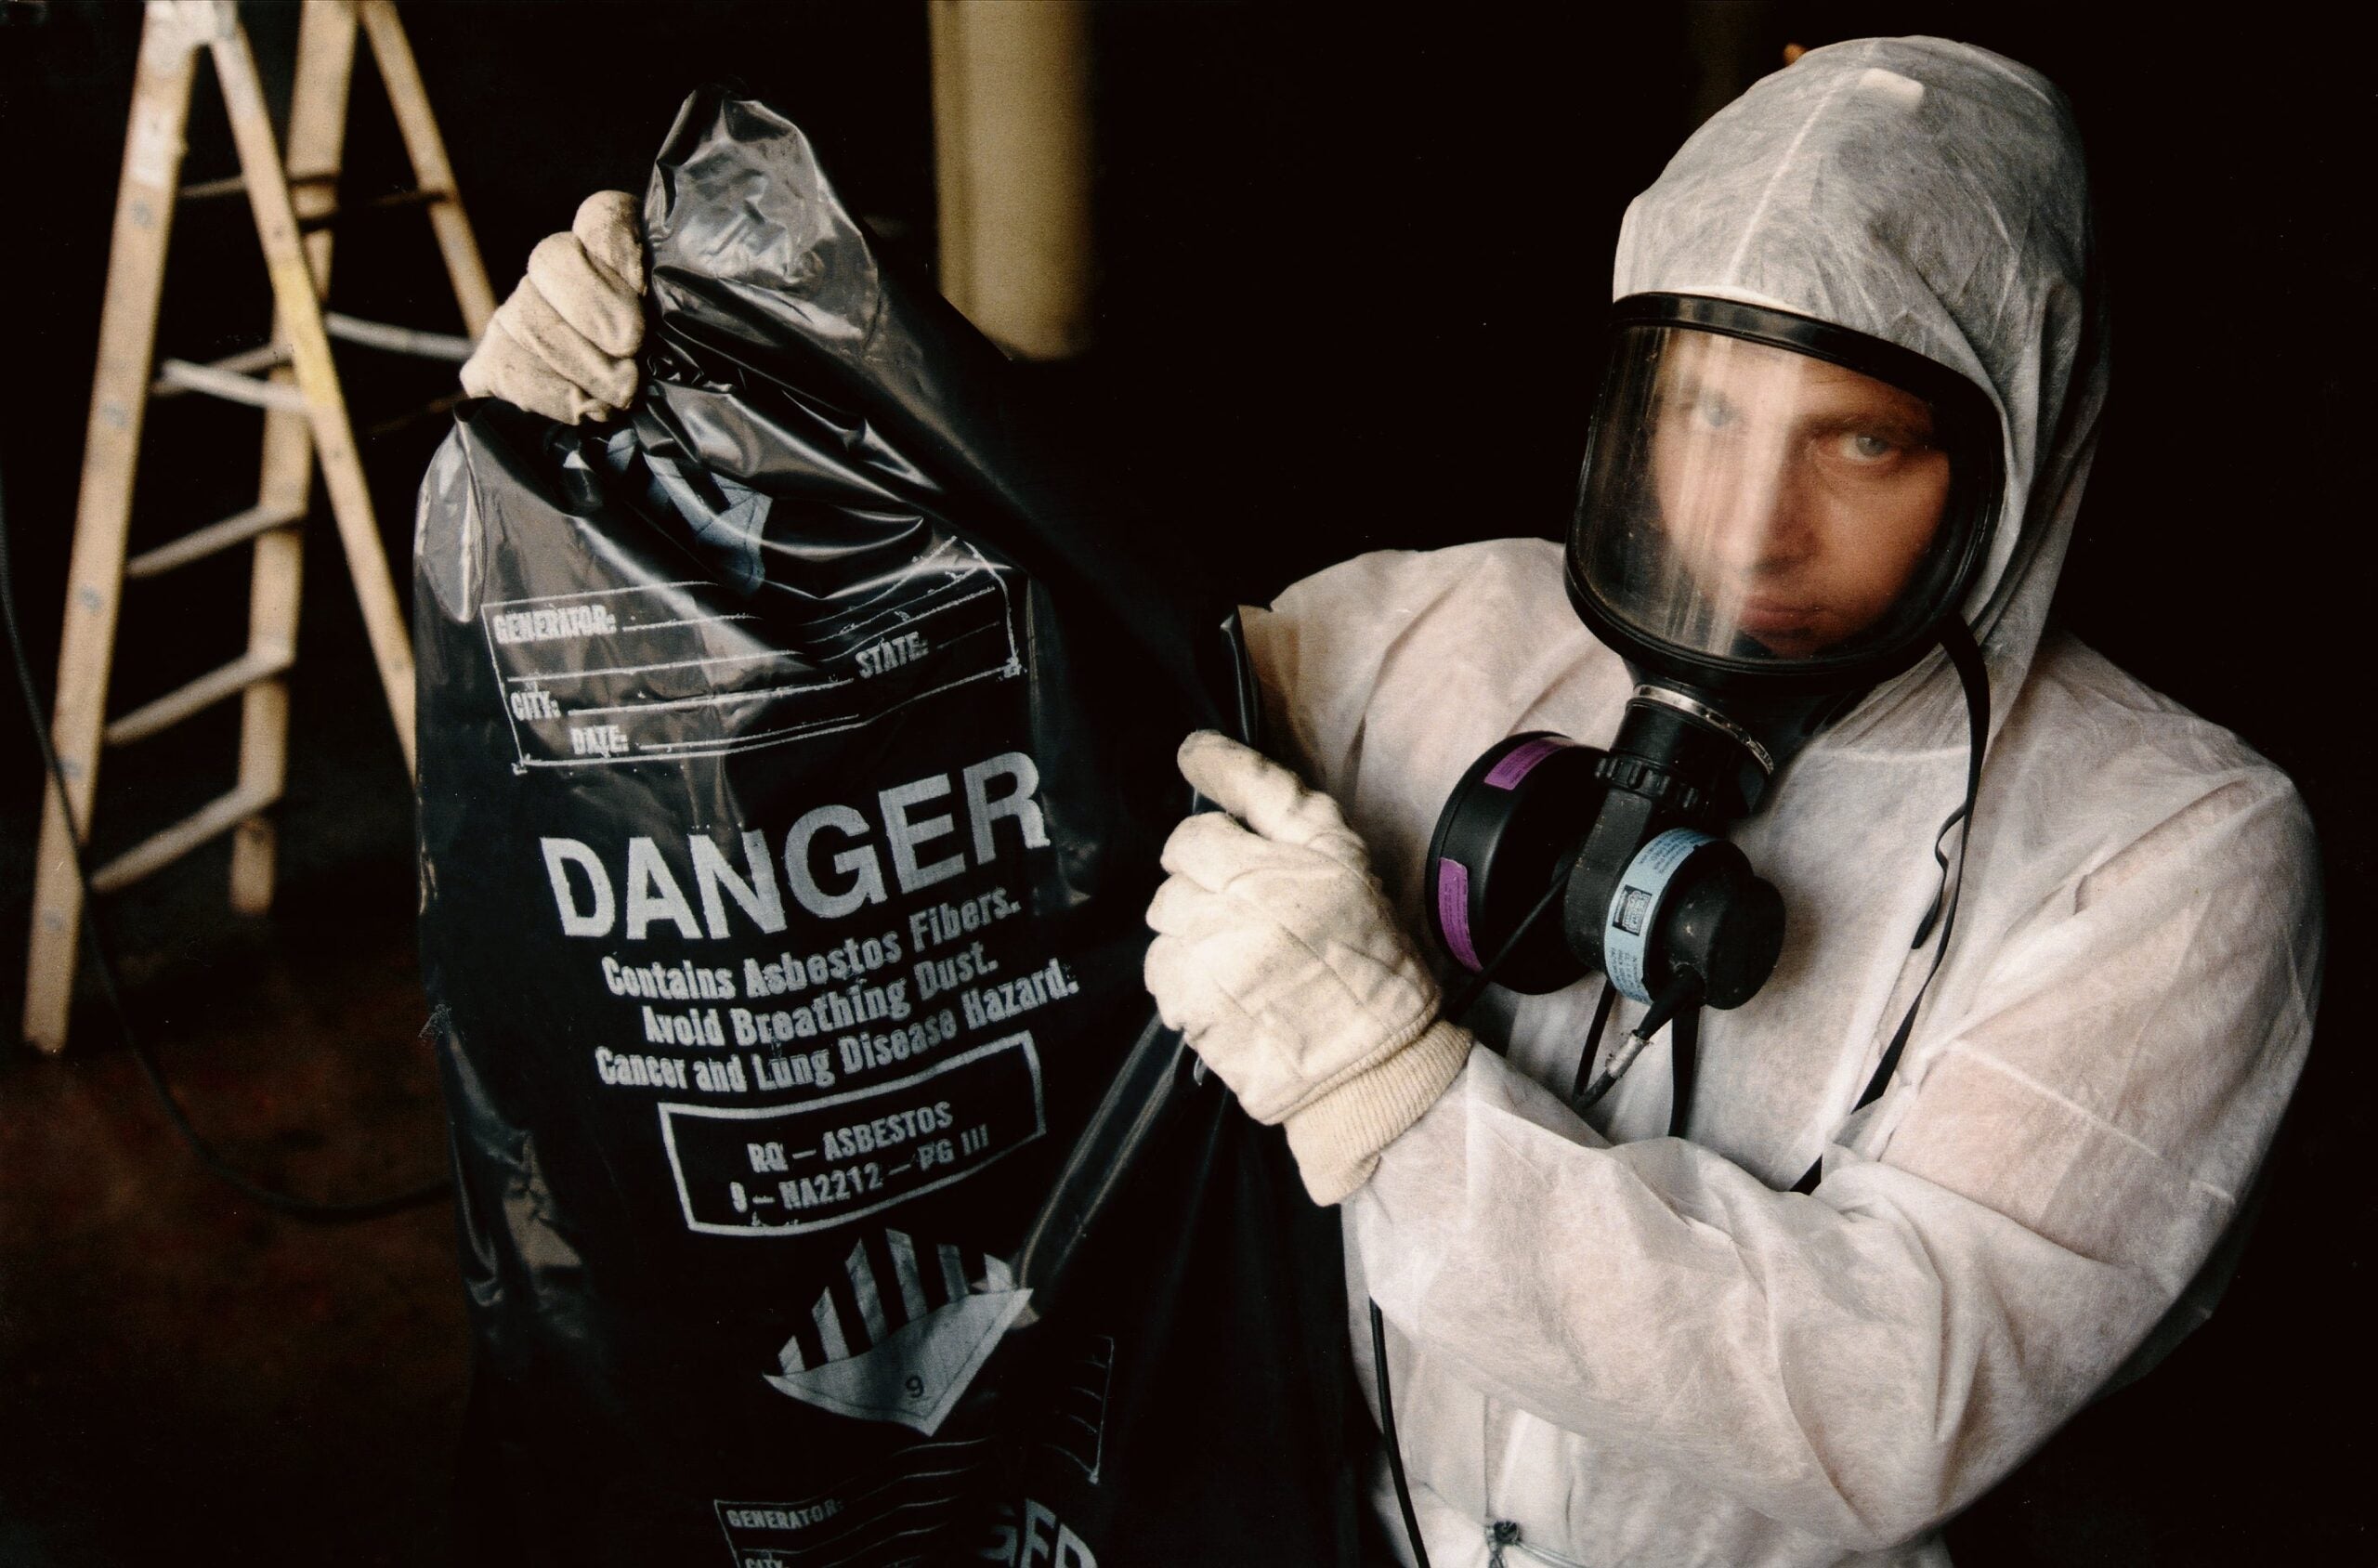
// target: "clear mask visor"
[[1753, 504]]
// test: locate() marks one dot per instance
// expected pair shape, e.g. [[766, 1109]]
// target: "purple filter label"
[[1507, 774], [1453, 910]]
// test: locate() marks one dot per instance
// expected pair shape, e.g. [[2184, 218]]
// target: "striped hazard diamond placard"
[[900, 1331]]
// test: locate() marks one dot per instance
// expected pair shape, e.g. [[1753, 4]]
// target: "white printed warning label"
[[676, 669], [786, 1169]]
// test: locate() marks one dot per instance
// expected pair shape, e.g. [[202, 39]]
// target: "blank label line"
[[717, 700], [642, 669], [690, 620], [805, 730]]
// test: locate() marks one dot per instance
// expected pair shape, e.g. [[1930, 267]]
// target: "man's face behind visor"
[[1800, 495], [1760, 506]]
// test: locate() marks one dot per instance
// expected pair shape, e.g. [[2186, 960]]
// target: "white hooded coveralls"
[[1646, 1350]]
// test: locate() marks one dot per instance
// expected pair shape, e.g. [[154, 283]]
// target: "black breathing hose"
[[1386, 1430]]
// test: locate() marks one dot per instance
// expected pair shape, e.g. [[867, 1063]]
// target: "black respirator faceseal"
[[1775, 514]]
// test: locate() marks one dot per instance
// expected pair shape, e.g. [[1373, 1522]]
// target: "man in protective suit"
[[1607, 1346]]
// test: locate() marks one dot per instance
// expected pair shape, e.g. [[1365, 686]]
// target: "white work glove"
[[564, 345], [1277, 956]]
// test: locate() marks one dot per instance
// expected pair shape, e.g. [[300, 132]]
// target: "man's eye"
[[1714, 413], [1861, 446]]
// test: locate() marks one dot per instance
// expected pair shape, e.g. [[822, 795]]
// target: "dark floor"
[[187, 1377]]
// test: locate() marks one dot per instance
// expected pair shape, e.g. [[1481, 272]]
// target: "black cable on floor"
[[314, 1211]]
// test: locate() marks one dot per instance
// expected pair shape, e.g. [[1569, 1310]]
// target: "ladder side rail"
[[431, 171], [145, 195], [301, 313], [316, 143]]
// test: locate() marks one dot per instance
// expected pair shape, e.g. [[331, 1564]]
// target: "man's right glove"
[[564, 345], [1277, 957]]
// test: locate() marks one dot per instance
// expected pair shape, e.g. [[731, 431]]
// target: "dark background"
[[1353, 265]]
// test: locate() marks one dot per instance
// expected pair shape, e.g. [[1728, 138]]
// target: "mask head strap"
[[1957, 642]]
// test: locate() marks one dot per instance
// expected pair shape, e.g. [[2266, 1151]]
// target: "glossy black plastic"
[[794, 760]]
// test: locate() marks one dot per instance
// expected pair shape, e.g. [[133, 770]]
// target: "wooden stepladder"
[[293, 378]]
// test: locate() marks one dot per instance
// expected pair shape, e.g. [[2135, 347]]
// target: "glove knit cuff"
[[1338, 1138]]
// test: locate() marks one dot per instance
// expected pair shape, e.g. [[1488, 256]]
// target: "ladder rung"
[[203, 692], [164, 848], [394, 201], [205, 190], [200, 544], [235, 185], [396, 340], [412, 417], [263, 357], [281, 395]]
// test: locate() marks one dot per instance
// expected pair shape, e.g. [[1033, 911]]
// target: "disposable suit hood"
[[1932, 195]]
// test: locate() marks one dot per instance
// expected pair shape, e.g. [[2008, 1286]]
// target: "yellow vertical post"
[[1012, 144]]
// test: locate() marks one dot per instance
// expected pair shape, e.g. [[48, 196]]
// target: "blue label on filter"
[[1635, 907]]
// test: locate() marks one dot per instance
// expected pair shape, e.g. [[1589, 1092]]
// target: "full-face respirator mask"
[[1775, 514]]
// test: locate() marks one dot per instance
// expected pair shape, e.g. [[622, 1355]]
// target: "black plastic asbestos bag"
[[794, 762]]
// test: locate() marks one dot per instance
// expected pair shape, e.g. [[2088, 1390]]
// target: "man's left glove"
[[1277, 956], [564, 345]]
